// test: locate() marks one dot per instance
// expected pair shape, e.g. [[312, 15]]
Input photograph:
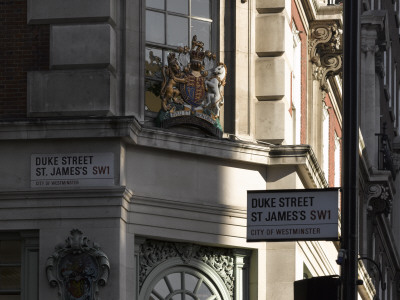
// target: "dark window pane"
[[179, 6], [10, 278], [10, 251], [201, 8], [10, 297], [155, 27], [203, 32], [152, 95], [153, 63], [155, 4], [177, 31]]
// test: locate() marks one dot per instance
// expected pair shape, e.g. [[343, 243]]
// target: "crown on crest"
[[197, 54]]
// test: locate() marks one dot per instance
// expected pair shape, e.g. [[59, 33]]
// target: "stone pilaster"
[[372, 36], [273, 65]]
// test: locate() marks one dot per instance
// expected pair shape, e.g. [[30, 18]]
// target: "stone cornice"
[[132, 132], [78, 203], [87, 193], [315, 11]]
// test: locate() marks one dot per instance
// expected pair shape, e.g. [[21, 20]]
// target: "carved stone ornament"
[[152, 253], [379, 199], [77, 269], [192, 91], [325, 49]]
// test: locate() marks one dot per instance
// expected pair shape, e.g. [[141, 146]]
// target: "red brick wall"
[[334, 127], [23, 48], [304, 62]]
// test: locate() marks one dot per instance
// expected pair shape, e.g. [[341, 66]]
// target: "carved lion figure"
[[172, 76]]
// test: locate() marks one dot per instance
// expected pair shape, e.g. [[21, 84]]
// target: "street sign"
[[287, 215]]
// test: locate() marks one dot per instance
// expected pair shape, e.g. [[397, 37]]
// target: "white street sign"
[[292, 215], [72, 169]]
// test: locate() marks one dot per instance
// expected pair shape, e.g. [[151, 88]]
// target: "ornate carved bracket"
[[379, 199], [325, 50], [152, 253], [77, 269]]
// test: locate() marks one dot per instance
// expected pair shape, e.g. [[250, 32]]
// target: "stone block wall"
[[82, 80], [274, 48]]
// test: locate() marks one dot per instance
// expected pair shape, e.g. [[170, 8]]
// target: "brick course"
[[23, 48]]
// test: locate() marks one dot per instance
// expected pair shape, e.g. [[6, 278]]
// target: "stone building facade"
[[97, 200], [379, 99]]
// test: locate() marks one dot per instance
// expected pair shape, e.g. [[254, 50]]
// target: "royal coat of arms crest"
[[192, 91]]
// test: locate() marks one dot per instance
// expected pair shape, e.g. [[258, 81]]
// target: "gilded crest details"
[[192, 91]]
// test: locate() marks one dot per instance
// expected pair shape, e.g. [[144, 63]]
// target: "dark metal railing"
[[385, 159]]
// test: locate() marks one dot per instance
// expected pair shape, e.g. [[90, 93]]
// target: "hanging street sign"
[[292, 215]]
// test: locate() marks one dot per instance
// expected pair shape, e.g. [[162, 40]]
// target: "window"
[[10, 269], [183, 283], [394, 93], [176, 271], [337, 181], [171, 24], [325, 141], [18, 266], [390, 75], [296, 86]]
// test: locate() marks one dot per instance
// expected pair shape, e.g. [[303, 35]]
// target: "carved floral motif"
[[325, 49], [152, 253], [379, 200]]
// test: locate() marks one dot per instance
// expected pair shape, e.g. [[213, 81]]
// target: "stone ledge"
[[131, 131], [71, 11]]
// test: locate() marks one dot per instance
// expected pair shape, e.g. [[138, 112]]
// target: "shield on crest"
[[193, 91]]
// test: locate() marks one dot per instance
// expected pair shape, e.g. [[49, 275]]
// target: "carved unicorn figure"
[[215, 88]]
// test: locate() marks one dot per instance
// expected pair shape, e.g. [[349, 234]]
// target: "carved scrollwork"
[[152, 253], [379, 199], [325, 49], [77, 268]]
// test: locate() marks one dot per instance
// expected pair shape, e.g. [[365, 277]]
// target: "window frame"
[[165, 48], [29, 263], [175, 264]]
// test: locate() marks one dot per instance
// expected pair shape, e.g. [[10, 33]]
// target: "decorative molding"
[[222, 261], [379, 199], [131, 131], [78, 269], [368, 48], [325, 49]]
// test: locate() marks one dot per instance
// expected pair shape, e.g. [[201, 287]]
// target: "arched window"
[[183, 271], [183, 282]]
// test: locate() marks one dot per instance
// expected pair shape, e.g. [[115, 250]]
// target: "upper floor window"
[[337, 153], [296, 86], [325, 141], [18, 266], [171, 24]]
